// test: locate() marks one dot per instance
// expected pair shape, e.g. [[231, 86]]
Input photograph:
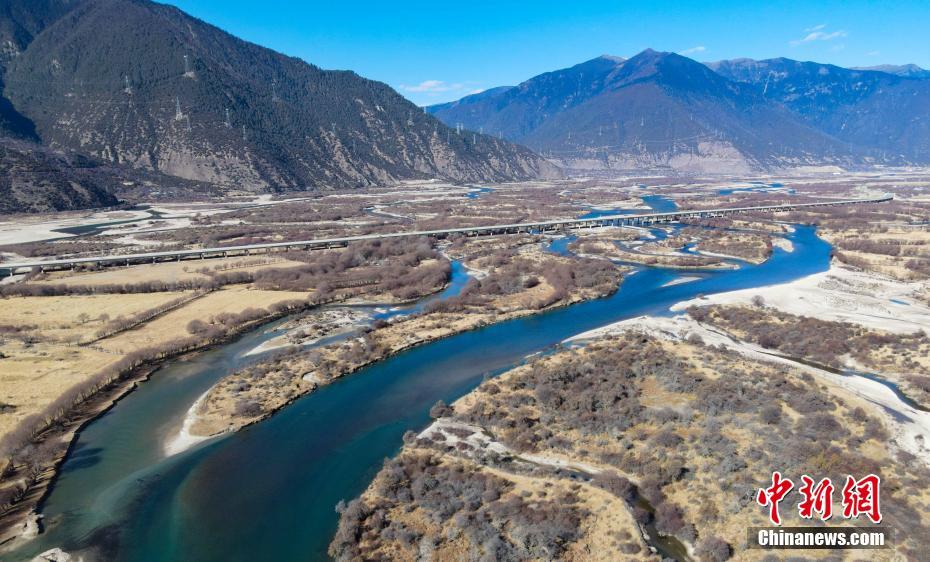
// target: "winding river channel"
[[268, 492]]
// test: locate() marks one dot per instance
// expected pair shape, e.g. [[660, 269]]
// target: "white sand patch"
[[322, 324], [475, 272], [626, 204], [477, 439], [312, 377], [277, 342], [711, 255], [380, 210], [783, 243], [453, 432], [838, 294], [36, 229], [184, 440], [148, 226], [681, 280], [910, 427], [54, 555]]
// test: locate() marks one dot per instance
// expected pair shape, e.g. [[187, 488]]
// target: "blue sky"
[[434, 52]]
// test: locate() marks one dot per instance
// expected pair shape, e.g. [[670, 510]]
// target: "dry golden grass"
[[75, 317], [33, 377], [232, 299], [167, 272], [36, 373], [41, 360], [915, 241]]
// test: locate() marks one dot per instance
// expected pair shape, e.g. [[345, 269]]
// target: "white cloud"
[[818, 33], [693, 50], [432, 87], [873, 53]]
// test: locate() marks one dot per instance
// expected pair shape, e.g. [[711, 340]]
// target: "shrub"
[[713, 549]]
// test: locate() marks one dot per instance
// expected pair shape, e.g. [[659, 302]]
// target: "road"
[[487, 230]]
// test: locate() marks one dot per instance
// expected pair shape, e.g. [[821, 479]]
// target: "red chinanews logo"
[[859, 497]]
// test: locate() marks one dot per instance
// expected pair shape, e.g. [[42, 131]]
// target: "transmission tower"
[[228, 123], [177, 109], [128, 88]]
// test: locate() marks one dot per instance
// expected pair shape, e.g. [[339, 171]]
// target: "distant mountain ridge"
[[663, 110], [885, 115], [904, 70], [145, 85]]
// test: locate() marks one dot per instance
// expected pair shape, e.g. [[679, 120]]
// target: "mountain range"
[[100, 98], [144, 86], [664, 110]]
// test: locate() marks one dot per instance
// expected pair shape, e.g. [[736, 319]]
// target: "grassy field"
[[233, 299], [168, 272], [47, 344], [33, 376], [74, 317]]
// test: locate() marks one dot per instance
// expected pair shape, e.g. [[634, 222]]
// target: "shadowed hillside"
[[143, 84]]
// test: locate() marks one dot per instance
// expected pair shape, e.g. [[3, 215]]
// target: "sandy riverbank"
[[314, 327], [184, 439], [839, 294], [286, 382]]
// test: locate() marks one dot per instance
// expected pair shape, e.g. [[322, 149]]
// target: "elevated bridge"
[[7, 269]]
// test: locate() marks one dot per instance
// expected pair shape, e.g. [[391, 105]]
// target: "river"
[[268, 492]]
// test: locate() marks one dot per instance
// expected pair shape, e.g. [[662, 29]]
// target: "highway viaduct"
[[8, 269]]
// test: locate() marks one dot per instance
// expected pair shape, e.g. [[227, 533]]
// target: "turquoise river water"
[[268, 492]]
